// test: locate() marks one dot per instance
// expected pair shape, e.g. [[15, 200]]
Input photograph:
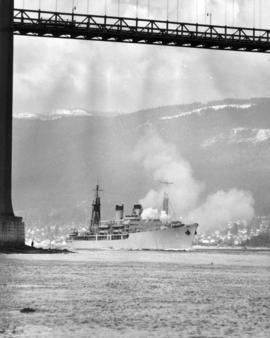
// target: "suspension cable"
[[260, 13], [205, 10], [254, 13], [197, 12], [226, 11], [233, 16], [177, 11], [167, 10], [137, 5]]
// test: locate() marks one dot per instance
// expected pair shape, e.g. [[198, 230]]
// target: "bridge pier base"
[[11, 227], [11, 232]]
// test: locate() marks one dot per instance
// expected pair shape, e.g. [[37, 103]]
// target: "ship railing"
[[119, 237], [104, 237]]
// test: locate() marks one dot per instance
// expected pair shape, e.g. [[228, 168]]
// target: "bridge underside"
[[130, 30]]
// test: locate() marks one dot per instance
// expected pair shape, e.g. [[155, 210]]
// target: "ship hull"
[[167, 239]]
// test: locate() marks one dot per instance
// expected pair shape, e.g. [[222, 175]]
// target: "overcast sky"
[[53, 74]]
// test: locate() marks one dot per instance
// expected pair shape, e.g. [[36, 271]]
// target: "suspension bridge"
[[136, 30], [134, 22], [135, 25]]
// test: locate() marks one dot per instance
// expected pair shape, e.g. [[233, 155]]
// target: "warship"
[[133, 232]]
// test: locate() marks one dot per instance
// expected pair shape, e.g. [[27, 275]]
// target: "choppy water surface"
[[136, 294]]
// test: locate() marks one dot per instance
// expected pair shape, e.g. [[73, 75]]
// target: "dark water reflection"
[[136, 294]]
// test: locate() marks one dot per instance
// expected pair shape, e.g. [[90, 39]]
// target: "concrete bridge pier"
[[11, 227]]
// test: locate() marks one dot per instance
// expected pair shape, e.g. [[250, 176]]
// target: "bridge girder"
[[130, 30]]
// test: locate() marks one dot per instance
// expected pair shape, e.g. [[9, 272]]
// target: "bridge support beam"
[[11, 227]]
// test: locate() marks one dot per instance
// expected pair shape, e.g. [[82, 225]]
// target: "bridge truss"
[[135, 30]]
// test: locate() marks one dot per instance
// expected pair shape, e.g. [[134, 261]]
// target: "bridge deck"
[[131, 30]]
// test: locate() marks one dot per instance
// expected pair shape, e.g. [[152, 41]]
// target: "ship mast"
[[96, 212], [165, 205]]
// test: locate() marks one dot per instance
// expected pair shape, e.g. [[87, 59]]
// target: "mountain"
[[58, 158]]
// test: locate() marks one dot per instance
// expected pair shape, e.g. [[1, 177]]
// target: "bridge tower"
[[11, 227]]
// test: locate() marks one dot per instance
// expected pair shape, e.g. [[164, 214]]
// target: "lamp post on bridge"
[[11, 227], [210, 17]]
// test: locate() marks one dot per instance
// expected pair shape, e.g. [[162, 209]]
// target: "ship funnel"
[[119, 212], [165, 206], [137, 209]]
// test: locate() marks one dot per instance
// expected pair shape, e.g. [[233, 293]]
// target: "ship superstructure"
[[133, 232]]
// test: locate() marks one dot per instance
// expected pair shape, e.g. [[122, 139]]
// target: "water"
[[136, 294]]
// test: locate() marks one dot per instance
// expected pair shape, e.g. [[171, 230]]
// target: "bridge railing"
[[155, 30]]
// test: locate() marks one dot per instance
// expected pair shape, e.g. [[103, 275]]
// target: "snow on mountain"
[[263, 135], [205, 108], [24, 116], [55, 115], [240, 135], [59, 113], [77, 112]]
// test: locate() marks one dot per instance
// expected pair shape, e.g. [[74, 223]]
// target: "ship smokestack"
[[165, 205], [137, 209], [119, 212]]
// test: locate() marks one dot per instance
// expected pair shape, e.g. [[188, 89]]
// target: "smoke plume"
[[163, 161], [223, 207], [166, 165]]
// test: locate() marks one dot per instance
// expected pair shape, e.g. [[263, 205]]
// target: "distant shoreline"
[[32, 250], [229, 248]]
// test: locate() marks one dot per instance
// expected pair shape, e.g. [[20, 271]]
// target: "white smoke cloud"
[[223, 207], [164, 217], [150, 213], [163, 160]]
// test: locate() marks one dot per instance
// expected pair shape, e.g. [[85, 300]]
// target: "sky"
[[54, 74]]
